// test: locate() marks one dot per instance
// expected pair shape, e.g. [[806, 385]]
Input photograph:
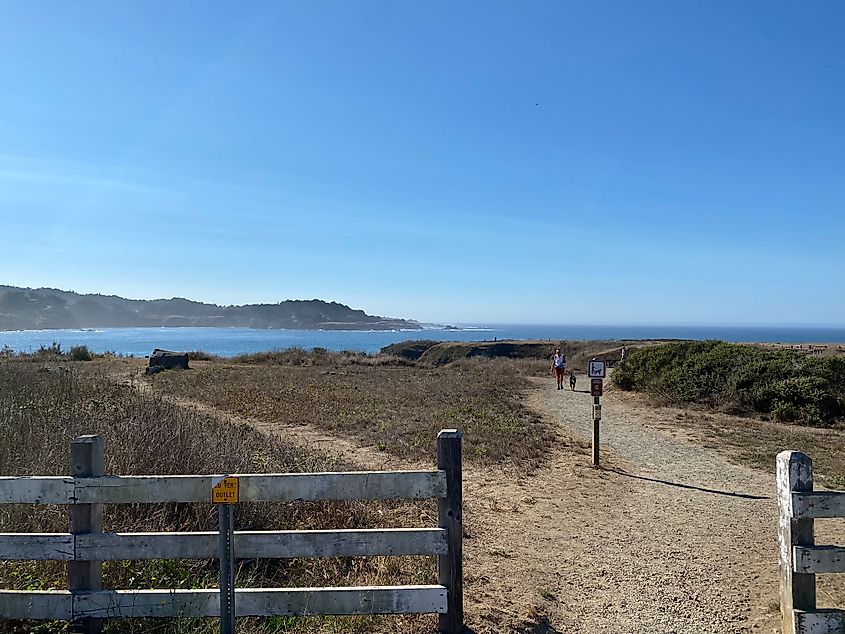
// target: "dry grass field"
[[397, 409], [755, 442], [43, 407]]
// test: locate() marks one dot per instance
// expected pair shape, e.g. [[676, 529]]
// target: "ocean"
[[232, 341]]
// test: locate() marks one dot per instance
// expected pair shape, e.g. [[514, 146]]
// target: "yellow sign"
[[226, 491]]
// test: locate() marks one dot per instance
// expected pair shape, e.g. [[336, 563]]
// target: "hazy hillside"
[[26, 308]]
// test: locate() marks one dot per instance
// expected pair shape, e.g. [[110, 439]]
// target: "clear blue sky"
[[545, 162]]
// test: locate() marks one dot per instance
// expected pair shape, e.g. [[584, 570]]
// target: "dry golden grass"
[[315, 356], [43, 409], [395, 408], [756, 442]]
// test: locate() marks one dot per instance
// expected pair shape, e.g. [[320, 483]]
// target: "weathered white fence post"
[[797, 590], [450, 517], [87, 458]]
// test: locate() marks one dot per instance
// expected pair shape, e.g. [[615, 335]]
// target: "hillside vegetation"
[[410, 350], [789, 386], [27, 308], [434, 353]]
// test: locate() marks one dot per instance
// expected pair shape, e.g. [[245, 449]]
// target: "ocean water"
[[232, 341]]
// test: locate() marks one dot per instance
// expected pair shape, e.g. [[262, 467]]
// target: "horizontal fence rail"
[[248, 544], [818, 504], [820, 621], [64, 605], [282, 487], [86, 546], [818, 559], [800, 558], [36, 490]]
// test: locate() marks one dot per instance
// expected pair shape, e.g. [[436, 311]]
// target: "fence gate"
[[86, 546]]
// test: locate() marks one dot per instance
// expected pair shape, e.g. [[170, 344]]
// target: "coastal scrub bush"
[[788, 385], [201, 355], [411, 350], [80, 353], [49, 353], [318, 357]]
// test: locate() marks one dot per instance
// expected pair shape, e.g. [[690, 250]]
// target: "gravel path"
[[666, 537]]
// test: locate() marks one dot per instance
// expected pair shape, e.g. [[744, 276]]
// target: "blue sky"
[[545, 162]]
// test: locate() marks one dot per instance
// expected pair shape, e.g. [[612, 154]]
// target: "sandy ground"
[[667, 537]]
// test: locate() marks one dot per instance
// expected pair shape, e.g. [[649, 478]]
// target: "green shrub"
[[80, 353], [317, 357], [201, 355], [48, 353], [784, 413], [411, 350], [788, 385]]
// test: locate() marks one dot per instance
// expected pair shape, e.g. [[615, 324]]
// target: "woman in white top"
[[559, 367]]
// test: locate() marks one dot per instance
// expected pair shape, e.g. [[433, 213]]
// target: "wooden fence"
[[800, 559], [85, 546]]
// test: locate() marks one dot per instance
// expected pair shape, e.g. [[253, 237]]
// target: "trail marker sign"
[[225, 490], [596, 369]]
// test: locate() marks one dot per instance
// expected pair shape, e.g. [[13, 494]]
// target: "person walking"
[[559, 367]]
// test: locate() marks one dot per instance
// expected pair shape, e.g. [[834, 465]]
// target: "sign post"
[[596, 370], [225, 493]]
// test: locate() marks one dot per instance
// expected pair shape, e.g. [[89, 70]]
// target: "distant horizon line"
[[455, 326]]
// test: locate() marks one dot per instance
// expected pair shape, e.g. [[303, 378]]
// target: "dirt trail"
[[667, 537]]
